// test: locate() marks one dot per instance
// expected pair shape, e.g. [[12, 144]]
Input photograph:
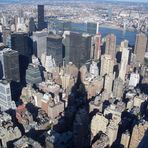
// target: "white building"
[[94, 69], [134, 79], [5, 96], [124, 63]]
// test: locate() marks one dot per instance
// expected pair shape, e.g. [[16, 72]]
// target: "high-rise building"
[[96, 50], [5, 96], [41, 23], [55, 48], [109, 82], [110, 47], [39, 43], [32, 26], [140, 47], [77, 47], [9, 60], [139, 135], [118, 88], [134, 79], [33, 74], [21, 42], [124, 63], [6, 35], [107, 64], [124, 44]]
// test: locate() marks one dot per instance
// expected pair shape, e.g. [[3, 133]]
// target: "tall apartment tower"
[[9, 60], [107, 64], [140, 47], [55, 48], [96, 50], [41, 23], [110, 47], [124, 63], [77, 47]]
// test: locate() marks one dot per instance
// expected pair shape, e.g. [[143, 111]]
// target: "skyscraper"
[[55, 48], [77, 47], [32, 26], [21, 42], [5, 96], [6, 34], [96, 53], [140, 47], [10, 64], [41, 23], [107, 64], [124, 63], [39, 43], [110, 47]]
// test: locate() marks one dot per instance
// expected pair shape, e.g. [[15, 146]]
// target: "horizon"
[[133, 1]]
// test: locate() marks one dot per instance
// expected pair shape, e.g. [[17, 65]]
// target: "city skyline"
[[73, 74]]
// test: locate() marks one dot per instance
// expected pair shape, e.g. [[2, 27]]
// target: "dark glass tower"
[[55, 48], [77, 48], [41, 23], [23, 44]]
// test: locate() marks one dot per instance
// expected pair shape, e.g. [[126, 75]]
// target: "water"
[[91, 29]]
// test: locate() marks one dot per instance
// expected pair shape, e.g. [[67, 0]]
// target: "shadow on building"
[[76, 117]]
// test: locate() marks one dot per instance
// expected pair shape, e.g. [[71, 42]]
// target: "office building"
[[125, 139], [140, 47], [96, 49], [6, 36], [118, 88], [41, 23], [109, 82], [55, 48], [112, 131], [134, 79], [110, 47], [9, 60], [33, 74], [21, 42], [94, 70], [139, 135], [124, 44], [124, 63], [5, 96], [39, 43], [98, 123], [9, 131], [77, 47], [32, 26], [107, 64], [96, 45]]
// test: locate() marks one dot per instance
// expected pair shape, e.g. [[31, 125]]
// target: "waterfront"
[[91, 29]]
